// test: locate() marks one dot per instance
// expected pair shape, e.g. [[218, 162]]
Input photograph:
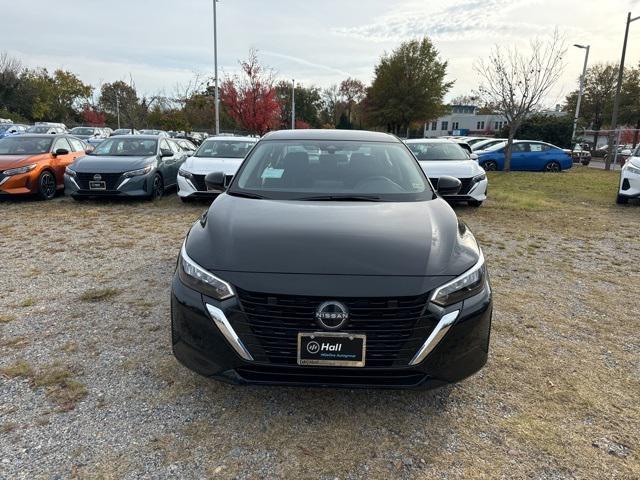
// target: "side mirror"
[[626, 152], [61, 151], [448, 185], [474, 156], [215, 181], [166, 153]]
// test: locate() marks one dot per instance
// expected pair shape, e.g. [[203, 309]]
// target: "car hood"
[[13, 161], [332, 238], [204, 165], [453, 168], [106, 164]]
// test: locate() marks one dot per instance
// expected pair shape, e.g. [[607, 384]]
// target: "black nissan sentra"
[[330, 260], [126, 166]]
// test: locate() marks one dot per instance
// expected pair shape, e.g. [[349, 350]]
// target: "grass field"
[[89, 387]]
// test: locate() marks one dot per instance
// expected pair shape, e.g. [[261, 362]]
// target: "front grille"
[[395, 327], [110, 179], [201, 186]]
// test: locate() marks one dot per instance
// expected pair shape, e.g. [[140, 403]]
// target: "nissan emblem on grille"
[[332, 315], [97, 177]]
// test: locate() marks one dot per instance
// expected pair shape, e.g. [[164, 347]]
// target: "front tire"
[[490, 166], [622, 200], [46, 185], [553, 167], [157, 187]]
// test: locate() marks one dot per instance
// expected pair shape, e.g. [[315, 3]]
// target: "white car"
[[442, 157], [630, 179], [487, 143], [216, 154]]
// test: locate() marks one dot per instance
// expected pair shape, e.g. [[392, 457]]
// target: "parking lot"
[[89, 387]]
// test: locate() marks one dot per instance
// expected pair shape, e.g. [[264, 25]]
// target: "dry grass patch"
[[99, 295], [18, 369], [6, 318]]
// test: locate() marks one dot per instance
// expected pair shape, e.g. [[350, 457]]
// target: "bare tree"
[[516, 84]]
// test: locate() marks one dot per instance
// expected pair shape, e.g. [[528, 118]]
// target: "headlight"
[[69, 172], [19, 170], [466, 285], [185, 174], [141, 171], [196, 277], [629, 168], [479, 178]]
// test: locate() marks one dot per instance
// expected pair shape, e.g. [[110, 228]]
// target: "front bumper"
[[138, 186], [629, 185], [469, 191], [202, 346], [23, 184]]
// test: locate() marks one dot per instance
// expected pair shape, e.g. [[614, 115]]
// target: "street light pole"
[[118, 109], [215, 61], [293, 104], [616, 102], [580, 92]]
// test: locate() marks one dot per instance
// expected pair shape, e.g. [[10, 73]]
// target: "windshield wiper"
[[341, 198], [245, 194]]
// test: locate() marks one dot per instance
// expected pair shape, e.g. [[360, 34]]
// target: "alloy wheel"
[[552, 167], [47, 185]]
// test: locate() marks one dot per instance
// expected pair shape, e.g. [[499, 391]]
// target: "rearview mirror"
[[61, 151], [215, 181], [166, 153], [474, 156], [448, 185], [626, 152]]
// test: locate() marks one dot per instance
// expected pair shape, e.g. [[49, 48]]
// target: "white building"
[[465, 120]]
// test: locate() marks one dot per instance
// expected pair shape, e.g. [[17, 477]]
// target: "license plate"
[[97, 186], [332, 349]]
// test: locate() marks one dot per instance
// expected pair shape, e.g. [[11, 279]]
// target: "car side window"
[[76, 145], [520, 147], [61, 143], [175, 147], [164, 146], [535, 147]]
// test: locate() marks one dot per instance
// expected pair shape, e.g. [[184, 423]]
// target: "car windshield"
[[438, 151], [224, 149], [331, 170], [20, 145], [82, 131], [127, 147], [38, 129]]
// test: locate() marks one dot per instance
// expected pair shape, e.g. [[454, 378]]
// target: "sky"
[[163, 44]]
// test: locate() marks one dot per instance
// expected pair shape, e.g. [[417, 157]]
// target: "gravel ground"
[[89, 387]]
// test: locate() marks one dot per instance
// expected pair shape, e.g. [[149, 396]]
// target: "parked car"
[[186, 145], [45, 129], [526, 155], [8, 129], [159, 133], [86, 133], [440, 157], [35, 164], [487, 143], [630, 178], [61, 126], [463, 144], [216, 154], [471, 141], [342, 270], [581, 155], [125, 131], [126, 166]]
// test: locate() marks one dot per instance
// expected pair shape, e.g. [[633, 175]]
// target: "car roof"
[[431, 140], [231, 138], [42, 135], [331, 135], [143, 137]]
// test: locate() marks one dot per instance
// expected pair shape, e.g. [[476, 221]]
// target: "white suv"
[[630, 178]]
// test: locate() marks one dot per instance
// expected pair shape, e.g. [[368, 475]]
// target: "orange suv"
[[34, 164]]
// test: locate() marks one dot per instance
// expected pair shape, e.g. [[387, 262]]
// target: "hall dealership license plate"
[[97, 185], [332, 349]]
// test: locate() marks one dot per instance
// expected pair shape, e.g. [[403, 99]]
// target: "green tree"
[[630, 101], [547, 128], [308, 104], [408, 87]]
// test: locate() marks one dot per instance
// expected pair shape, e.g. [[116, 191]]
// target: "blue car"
[[526, 155]]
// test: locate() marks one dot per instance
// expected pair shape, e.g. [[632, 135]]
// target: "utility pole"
[[215, 61], [118, 109], [581, 91], [293, 104], [616, 102]]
